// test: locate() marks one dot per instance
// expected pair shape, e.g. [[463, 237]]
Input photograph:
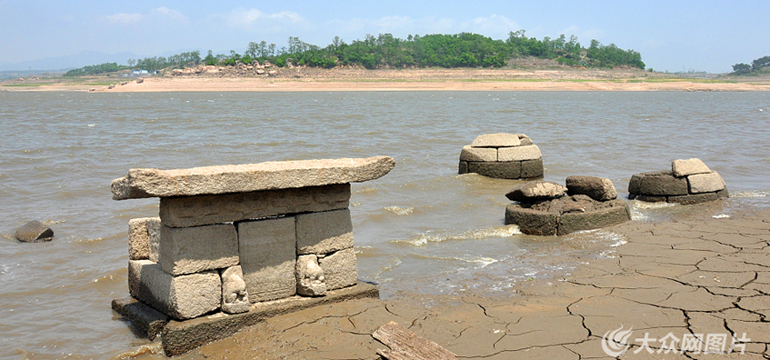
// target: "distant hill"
[[63, 63]]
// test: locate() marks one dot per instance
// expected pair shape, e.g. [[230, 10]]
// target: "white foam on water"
[[652, 205], [400, 211], [484, 261], [49, 222], [616, 239], [365, 190], [91, 125], [637, 207], [607, 254], [425, 238], [751, 194], [89, 240], [721, 216]]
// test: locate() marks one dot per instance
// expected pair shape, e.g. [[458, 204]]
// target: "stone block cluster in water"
[[688, 182], [502, 156], [231, 236], [546, 208]]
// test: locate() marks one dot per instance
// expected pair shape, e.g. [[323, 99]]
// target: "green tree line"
[[150, 63], [756, 66], [96, 69], [385, 50], [435, 50]]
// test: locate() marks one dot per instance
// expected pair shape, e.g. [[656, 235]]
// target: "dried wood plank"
[[406, 345]]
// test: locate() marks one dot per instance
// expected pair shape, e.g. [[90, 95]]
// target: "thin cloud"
[[171, 13], [494, 25], [397, 25], [254, 18], [288, 16], [133, 18], [584, 35], [125, 18], [391, 23]]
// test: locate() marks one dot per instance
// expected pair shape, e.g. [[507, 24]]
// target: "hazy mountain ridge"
[[64, 63]]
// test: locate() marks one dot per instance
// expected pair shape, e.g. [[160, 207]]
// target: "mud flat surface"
[[694, 277]]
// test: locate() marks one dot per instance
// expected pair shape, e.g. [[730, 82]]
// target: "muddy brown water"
[[420, 230]]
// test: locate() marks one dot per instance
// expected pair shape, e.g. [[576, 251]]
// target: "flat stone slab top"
[[496, 140], [224, 179], [688, 182]]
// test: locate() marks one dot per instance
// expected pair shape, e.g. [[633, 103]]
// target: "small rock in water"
[[34, 231]]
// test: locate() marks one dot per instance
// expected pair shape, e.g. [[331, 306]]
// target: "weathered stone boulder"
[[502, 156], [144, 239], [703, 183], [657, 183], [268, 252], [180, 297], [682, 168], [536, 190], [598, 188], [34, 232], [531, 221], [197, 249], [481, 154], [519, 153], [689, 182], [339, 269], [617, 213]]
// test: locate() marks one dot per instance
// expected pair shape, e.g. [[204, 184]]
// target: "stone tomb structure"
[[688, 182], [502, 156], [546, 208], [233, 238]]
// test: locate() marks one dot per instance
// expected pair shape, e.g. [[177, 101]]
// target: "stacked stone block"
[[231, 236], [546, 208], [689, 182], [502, 156]]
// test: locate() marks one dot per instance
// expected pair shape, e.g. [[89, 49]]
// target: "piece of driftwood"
[[405, 345]]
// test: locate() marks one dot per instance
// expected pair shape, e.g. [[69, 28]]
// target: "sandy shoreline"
[[397, 80], [249, 84], [702, 275]]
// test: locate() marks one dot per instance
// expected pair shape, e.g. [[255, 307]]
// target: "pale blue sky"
[[670, 35]]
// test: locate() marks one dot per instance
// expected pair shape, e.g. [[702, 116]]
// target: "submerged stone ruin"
[[253, 240], [547, 208], [688, 182], [502, 156]]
